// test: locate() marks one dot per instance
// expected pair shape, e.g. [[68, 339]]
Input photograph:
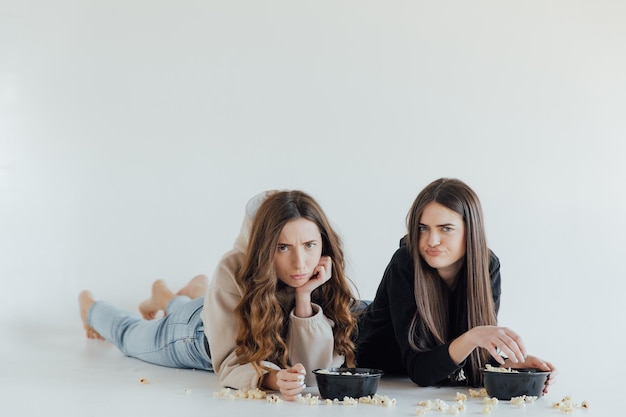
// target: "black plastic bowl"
[[505, 385], [337, 383]]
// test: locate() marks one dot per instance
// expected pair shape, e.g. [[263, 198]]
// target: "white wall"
[[133, 132]]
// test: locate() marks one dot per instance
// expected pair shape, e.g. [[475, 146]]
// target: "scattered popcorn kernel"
[[441, 405], [274, 399], [478, 393], [490, 400], [309, 399], [349, 401]]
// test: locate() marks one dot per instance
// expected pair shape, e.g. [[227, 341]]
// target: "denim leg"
[[176, 340]]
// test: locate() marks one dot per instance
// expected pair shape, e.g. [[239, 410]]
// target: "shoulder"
[[402, 257], [400, 267], [494, 272], [494, 261]]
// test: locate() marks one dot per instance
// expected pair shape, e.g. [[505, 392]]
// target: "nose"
[[299, 259], [433, 239]]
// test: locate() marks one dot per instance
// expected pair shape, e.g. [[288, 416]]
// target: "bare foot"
[[161, 295], [195, 288], [85, 301]]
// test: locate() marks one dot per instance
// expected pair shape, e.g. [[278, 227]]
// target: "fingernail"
[[300, 377]]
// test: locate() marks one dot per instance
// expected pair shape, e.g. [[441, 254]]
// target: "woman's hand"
[[500, 340], [321, 274], [536, 363], [494, 339], [290, 381]]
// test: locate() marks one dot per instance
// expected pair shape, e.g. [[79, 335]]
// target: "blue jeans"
[[176, 340]]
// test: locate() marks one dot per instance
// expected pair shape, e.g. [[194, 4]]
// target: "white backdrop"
[[132, 133]]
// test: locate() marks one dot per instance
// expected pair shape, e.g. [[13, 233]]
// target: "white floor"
[[52, 370]]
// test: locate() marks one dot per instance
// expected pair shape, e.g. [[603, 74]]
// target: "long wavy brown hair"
[[430, 295], [262, 314]]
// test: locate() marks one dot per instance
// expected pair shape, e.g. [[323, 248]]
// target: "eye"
[[282, 248], [447, 229], [422, 228], [310, 245]]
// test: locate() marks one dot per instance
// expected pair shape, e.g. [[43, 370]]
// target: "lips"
[[298, 277], [433, 252]]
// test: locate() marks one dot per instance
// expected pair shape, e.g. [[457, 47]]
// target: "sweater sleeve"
[[310, 342]]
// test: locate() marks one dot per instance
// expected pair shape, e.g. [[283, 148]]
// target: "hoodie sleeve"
[[311, 342], [222, 297]]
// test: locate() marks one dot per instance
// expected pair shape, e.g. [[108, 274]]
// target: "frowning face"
[[298, 252]]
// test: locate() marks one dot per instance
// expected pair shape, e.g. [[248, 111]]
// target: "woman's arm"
[[311, 342], [322, 273]]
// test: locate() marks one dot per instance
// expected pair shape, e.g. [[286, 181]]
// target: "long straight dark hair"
[[430, 323]]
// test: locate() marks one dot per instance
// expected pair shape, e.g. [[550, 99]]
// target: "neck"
[[449, 274]]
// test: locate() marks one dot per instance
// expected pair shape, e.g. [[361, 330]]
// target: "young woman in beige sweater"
[[279, 305]]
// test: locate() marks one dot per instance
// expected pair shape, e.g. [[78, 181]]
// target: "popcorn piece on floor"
[[478, 393], [256, 394], [144, 380], [460, 397], [226, 393], [187, 391], [441, 405], [309, 399], [522, 400], [388, 402], [490, 400], [487, 409], [273, 398], [349, 401], [567, 405], [426, 403]]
